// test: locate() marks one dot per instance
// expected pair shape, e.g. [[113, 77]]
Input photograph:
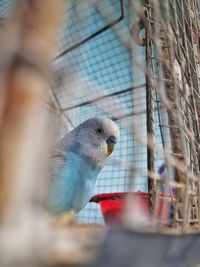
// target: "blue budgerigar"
[[76, 163]]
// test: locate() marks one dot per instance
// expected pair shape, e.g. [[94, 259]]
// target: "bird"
[[75, 163]]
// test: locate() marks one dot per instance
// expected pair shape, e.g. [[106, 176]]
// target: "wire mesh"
[[172, 59], [148, 81], [137, 62], [101, 84]]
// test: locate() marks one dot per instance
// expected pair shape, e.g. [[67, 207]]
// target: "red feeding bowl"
[[113, 204]]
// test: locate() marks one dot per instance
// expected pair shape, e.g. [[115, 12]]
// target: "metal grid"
[[148, 81], [137, 62], [172, 43], [94, 78]]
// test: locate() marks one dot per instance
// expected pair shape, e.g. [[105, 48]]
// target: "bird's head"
[[99, 134]]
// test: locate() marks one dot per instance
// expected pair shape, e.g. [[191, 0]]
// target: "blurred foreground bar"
[[29, 36], [25, 69]]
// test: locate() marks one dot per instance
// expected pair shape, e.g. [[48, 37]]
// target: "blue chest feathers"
[[73, 184]]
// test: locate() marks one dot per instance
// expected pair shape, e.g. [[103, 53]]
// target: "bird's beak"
[[111, 141]]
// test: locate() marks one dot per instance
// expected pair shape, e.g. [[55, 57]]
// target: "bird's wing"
[[57, 184], [57, 162]]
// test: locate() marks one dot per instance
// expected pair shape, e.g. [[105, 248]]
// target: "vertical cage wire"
[[174, 64]]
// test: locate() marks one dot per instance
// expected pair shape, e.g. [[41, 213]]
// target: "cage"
[[115, 59], [138, 63]]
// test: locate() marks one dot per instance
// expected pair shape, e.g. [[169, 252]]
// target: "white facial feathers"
[[97, 129], [92, 136]]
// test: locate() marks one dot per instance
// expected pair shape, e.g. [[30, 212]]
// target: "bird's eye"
[[99, 131]]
